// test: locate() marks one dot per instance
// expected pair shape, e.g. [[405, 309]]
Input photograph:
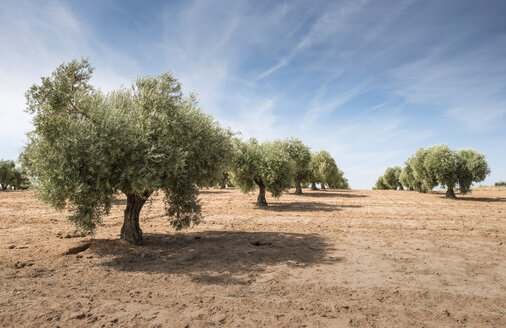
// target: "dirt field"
[[325, 259]]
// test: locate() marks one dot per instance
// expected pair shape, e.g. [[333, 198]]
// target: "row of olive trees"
[[438, 165], [12, 177], [276, 166], [389, 180], [87, 146]]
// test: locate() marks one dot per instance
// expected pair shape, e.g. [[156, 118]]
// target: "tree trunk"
[[4, 187], [298, 187], [322, 186], [313, 186], [130, 231], [224, 181], [401, 187], [450, 194], [261, 201]]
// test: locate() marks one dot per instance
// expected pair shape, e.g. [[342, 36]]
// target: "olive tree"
[[20, 180], [440, 164], [424, 179], [314, 174], [408, 178], [391, 176], [380, 184], [7, 173], [338, 181], [301, 157], [389, 180], [88, 146], [451, 168], [323, 170], [267, 166]]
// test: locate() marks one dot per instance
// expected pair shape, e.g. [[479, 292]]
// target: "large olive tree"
[[88, 146], [456, 168], [301, 156], [266, 165]]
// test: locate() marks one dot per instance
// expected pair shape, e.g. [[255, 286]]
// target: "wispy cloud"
[[327, 24], [468, 86]]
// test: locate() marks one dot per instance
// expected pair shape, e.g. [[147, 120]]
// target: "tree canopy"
[[12, 177], [266, 165], [88, 146], [456, 168], [6, 173], [301, 157], [438, 165], [424, 179], [323, 170], [390, 179], [380, 184]]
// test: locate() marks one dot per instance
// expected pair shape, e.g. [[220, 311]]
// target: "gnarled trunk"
[[313, 186], [261, 201], [224, 178], [130, 231], [450, 193], [298, 187]]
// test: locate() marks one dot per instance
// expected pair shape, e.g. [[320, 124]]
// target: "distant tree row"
[[12, 177], [437, 165], [88, 146], [500, 184], [276, 166], [389, 180]]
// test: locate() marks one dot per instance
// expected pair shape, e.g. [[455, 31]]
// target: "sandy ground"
[[325, 259]]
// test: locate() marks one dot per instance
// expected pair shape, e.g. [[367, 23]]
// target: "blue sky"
[[369, 81]]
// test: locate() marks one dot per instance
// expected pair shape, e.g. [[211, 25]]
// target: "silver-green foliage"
[[380, 184], [265, 164], [392, 175], [323, 169], [407, 177], [12, 177], [439, 165], [423, 177], [87, 146], [7, 168], [389, 180], [301, 156]]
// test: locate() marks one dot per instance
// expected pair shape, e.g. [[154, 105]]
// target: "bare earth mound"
[[324, 259]]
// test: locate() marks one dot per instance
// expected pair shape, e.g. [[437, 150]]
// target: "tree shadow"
[[214, 257], [213, 191], [482, 199], [350, 206], [323, 193], [300, 207]]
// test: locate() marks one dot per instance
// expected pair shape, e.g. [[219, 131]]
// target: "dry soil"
[[324, 259]]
